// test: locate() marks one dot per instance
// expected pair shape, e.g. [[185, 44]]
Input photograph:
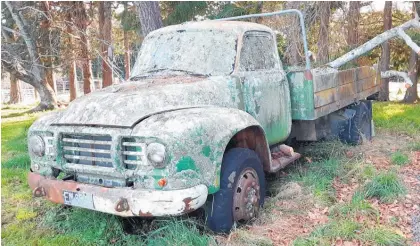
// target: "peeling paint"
[[185, 163], [231, 179]]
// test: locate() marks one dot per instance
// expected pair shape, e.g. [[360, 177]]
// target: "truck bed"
[[330, 91]]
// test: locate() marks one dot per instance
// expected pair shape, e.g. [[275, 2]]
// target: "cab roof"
[[234, 27]]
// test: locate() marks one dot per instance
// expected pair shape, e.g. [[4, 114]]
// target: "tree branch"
[[392, 73], [21, 76], [30, 44], [409, 41], [366, 47]]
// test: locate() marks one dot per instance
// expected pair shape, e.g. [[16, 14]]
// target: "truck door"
[[265, 88]]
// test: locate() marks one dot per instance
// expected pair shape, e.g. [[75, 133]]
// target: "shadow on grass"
[[14, 115]]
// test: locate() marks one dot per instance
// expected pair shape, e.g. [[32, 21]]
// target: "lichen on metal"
[[197, 90]]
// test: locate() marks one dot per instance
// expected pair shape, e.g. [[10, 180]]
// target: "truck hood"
[[126, 104]]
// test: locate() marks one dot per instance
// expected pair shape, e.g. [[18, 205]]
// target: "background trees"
[[66, 46], [21, 56], [105, 35], [385, 56]]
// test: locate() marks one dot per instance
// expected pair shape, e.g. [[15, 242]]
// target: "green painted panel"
[[302, 96]]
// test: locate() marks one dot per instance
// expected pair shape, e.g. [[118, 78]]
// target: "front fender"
[[196, 139]]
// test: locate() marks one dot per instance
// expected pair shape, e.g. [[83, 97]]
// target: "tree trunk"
[[127, 55], [385, 56], [73, 86], [71, 67], [36, 77], [324, 11], [36, 96], [258, 10], [47, 96], [411, 94], [293, 33], [105, 32], [353, 24], [46, 45], [81, 22], [149, 16], [49, 76], [15, 90]]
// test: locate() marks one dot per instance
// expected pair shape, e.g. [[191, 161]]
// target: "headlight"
[[37, 145], [156, 154]]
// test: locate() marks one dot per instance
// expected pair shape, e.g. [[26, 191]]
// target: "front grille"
[[93, 150], [49, 144], [134, 153]]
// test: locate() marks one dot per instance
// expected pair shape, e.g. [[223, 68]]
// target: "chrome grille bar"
[[85, 149], [87, 158], [87, 141], [133, 153], [49, 145]]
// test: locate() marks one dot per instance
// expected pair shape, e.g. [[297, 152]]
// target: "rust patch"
[[187, 202], [147, 214], [38, 192], [122, 205]]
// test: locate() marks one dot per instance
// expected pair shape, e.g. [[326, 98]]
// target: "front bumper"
[[126, 202]]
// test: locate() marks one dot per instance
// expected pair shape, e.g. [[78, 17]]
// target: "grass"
[[243, 237], [357, 206], [28, 221], [382, 236], [385, 186], [351, 230], [397, 117], [399, 158], [326, 234], [414, 146], [318, 177]]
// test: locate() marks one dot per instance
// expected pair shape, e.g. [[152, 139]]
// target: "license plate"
[[78, 199]]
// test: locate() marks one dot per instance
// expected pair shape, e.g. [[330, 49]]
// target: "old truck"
[[205, 115]]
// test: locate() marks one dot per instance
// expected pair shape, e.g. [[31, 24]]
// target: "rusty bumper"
[[126, 202]]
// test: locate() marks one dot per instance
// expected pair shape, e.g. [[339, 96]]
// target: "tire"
[[361, 124], [237, 164]]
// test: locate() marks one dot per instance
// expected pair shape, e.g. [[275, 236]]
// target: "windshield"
[[204, 52]]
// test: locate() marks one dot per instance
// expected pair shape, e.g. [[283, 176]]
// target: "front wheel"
[[242, 191]]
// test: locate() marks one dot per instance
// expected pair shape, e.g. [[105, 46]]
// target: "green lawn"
[[397, 117], [29, 221]]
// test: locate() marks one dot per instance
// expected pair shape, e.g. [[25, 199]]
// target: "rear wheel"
[[242, 191]]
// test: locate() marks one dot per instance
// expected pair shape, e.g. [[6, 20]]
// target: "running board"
[[281, 156]]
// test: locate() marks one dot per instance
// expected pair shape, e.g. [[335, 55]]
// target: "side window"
[[257, 53]]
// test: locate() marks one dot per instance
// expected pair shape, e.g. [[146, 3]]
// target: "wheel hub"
[[246, 196]]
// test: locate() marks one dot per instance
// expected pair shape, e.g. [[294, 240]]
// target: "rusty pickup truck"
[[207, 112]]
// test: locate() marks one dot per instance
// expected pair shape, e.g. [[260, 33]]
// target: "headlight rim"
[[155, 147], [41, 141]]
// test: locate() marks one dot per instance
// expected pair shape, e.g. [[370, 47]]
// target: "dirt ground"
[[297, 213]]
